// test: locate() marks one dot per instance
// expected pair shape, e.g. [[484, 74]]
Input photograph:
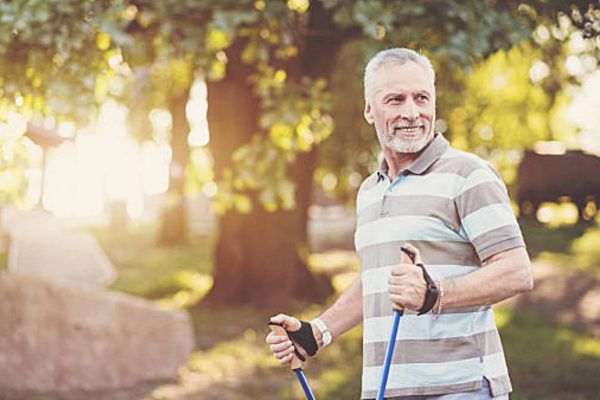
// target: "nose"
[[410, 111]]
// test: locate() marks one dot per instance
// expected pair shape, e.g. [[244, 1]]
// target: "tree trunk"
[[260, 258], [174, 228]]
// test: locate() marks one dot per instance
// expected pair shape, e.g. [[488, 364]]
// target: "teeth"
[[409, 129]]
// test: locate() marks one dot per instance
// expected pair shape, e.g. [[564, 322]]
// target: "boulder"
[[56, 337], [72, 256]]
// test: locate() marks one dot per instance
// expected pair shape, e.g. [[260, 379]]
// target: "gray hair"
[[395, 56]]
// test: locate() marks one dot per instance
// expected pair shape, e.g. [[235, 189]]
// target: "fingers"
[[290, 323], [281, 347]]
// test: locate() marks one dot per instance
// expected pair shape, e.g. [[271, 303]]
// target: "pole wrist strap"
[[432, 291]]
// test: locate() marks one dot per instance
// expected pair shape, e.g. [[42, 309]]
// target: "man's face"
[[401, 105]]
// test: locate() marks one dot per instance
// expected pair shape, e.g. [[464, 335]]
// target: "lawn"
[[547, 359], [3, 261]]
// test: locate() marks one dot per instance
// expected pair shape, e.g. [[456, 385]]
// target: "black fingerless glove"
[[305, 338]]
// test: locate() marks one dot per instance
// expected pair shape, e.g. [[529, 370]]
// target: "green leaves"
[[63, 43], [260, 168]]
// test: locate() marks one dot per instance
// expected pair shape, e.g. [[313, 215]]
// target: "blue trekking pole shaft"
[[304, 384], [296, 364], [389, 354], [407, 257]]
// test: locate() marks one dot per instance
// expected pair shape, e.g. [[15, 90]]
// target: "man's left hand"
[[406, 286]]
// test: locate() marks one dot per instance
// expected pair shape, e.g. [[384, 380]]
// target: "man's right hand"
[[282, 347]]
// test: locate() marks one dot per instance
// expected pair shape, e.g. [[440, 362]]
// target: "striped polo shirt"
[[454, 208]]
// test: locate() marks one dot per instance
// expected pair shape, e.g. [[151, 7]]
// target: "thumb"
[[289, 323], [416, 252]]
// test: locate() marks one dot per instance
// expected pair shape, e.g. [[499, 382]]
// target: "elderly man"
[[452, 210]]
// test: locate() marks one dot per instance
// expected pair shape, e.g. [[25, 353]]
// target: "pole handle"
[[406, 257], [279, 330]]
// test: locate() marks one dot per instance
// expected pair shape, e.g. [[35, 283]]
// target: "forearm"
[[344, 314], [505, 275]]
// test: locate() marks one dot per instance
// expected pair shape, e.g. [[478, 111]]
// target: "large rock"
[[59, 338], [70, 256]]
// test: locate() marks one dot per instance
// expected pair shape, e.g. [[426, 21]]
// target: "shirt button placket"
[[385, 204], [384, 207]]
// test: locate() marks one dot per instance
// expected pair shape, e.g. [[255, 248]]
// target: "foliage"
[[51, 52], [17, 154], [296, 117], [153, 49], [144, 53], [587, 252], [453, 30]]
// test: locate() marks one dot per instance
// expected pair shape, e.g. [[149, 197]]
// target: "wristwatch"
[[325, 334]]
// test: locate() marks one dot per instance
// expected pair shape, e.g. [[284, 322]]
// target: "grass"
[[3, 261], [543, 239], [3, 252], [178, 275], [573, 246], [547, 360]]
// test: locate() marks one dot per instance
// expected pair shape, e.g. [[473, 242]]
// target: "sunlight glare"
[[583, 112], [195, 111], [105, 165]]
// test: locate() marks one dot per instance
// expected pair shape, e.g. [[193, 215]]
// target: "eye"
[[394, 100]]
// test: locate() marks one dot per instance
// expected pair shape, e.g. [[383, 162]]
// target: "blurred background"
[[205, 156]]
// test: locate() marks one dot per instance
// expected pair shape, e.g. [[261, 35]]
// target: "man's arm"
[[504, 275], [343, 315]]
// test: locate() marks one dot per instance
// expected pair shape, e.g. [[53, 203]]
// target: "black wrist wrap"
[[432, 292], [305, 338]]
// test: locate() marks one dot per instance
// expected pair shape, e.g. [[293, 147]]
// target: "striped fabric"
[[454, 208]]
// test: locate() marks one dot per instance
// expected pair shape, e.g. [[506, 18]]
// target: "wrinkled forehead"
[[408, 77]]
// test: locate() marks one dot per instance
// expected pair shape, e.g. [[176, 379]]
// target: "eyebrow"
[[396, 94]]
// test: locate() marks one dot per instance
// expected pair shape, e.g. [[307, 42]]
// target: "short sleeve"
[[486, 217]]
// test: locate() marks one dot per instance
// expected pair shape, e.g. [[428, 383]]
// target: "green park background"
[[260, 107]]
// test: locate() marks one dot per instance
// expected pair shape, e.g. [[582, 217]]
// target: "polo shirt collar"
[[431, 154]]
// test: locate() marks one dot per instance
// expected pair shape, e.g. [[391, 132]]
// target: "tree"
[[269, 265], [269, 65]]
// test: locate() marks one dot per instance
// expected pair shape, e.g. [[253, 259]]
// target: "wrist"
[[321, 332], [317, 334], [431, 291], [439, 304]]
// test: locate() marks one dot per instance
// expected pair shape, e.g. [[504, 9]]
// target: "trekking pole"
[[408, 257], [296, 364]]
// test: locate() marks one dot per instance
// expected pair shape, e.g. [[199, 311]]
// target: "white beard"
[[399, 144]]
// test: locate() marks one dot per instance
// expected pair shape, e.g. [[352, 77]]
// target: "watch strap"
[[325, 334]]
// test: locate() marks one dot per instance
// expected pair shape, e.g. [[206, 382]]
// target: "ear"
[[367, 113]]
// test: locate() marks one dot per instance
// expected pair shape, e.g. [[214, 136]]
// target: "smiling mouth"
[[408, 129]]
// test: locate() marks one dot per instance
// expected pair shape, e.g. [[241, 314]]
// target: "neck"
[[398, 161]]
